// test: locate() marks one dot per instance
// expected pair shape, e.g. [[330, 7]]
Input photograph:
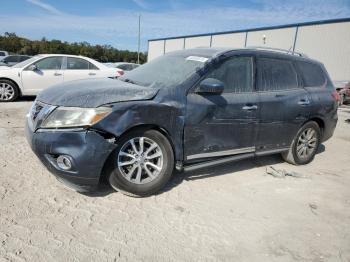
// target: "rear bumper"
[[87, 150]]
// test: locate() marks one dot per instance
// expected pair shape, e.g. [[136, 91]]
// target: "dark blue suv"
[[187, 109]]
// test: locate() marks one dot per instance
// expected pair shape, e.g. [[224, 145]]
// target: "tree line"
[[14, 44]]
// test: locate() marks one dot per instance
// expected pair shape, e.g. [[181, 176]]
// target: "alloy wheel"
[[140, 160], [307, 143], [7, 92]]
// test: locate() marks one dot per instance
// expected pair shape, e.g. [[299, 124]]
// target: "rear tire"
[[304, 146], [8, 91], [142, 163]]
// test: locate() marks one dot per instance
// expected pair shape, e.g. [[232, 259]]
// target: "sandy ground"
[[234, 212]]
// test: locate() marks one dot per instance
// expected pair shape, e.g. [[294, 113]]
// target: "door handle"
[[252, 107], [57, 74], [304, 102], [92, 74]]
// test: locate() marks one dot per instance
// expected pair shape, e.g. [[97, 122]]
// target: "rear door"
[[79, 68], [284, 104], [223, 124]]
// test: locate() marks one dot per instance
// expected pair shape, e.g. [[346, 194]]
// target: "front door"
[[48, 73], [225, 124]]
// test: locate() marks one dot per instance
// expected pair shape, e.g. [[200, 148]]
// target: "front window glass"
[[165, 71], [50, 63], [236, 74]]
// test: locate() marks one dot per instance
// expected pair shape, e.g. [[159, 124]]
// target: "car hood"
[[94, 93]]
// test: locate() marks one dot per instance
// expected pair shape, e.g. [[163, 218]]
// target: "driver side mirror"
[[210, 86], [32, 67]]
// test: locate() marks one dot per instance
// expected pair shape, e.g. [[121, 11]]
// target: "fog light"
[[64, 162]]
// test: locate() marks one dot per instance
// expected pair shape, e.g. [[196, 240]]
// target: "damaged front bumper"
[[87, 151]]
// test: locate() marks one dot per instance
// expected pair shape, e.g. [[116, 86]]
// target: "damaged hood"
[[94, 93]]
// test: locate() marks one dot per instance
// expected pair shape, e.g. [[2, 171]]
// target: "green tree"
[[104, 53]]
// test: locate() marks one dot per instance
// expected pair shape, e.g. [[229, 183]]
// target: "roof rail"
[[290, 52]]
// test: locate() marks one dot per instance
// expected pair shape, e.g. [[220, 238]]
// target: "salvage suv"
[[185, 110]]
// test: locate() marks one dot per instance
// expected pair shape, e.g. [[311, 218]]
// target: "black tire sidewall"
[[15, 88], [297, 160], [117, 180]]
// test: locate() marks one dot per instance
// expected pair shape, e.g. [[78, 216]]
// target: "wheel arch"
[[320, 122], [162, 130]]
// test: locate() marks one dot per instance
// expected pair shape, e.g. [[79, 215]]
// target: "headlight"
[[75, 117]]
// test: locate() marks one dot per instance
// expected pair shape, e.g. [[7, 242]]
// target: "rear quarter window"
[[312, 74], [276, 74]]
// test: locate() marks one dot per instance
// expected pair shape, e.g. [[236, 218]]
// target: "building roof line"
[[319, 22]]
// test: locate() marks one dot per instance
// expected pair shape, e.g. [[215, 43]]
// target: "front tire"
[[8, 91], [142, 163], [305, 144]]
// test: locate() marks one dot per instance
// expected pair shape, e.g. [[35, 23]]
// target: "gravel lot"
[[234, 212]]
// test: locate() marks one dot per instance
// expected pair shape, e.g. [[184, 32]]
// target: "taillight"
[[120, 72], [336, 96]]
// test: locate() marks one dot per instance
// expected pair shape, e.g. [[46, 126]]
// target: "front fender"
[[126, 116]]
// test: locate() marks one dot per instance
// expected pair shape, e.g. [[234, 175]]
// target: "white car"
[[42, 71]]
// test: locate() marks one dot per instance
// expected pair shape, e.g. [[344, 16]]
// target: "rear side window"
[[2, 54], [77, 64], [236, 73], [276, 74], [312, 74]]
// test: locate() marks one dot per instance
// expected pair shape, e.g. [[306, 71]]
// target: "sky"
[[115, 22]]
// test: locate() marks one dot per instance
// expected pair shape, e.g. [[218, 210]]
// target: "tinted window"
[[236, 73], [276, 74], [11, 59], [124, 67], [23, 58], [2, 54], [77, 64], [92, 66], [312, 74], [50, 63]]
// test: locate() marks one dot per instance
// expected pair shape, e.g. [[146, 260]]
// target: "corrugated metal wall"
[[328, 42], [236, 40], [276, 38]]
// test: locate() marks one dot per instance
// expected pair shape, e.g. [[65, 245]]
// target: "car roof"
[[77, 56]]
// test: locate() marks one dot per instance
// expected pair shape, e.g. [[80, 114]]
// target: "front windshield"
[[165, 71], [26, 62]]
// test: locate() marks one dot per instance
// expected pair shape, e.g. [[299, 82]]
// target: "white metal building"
[[327, 41]]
